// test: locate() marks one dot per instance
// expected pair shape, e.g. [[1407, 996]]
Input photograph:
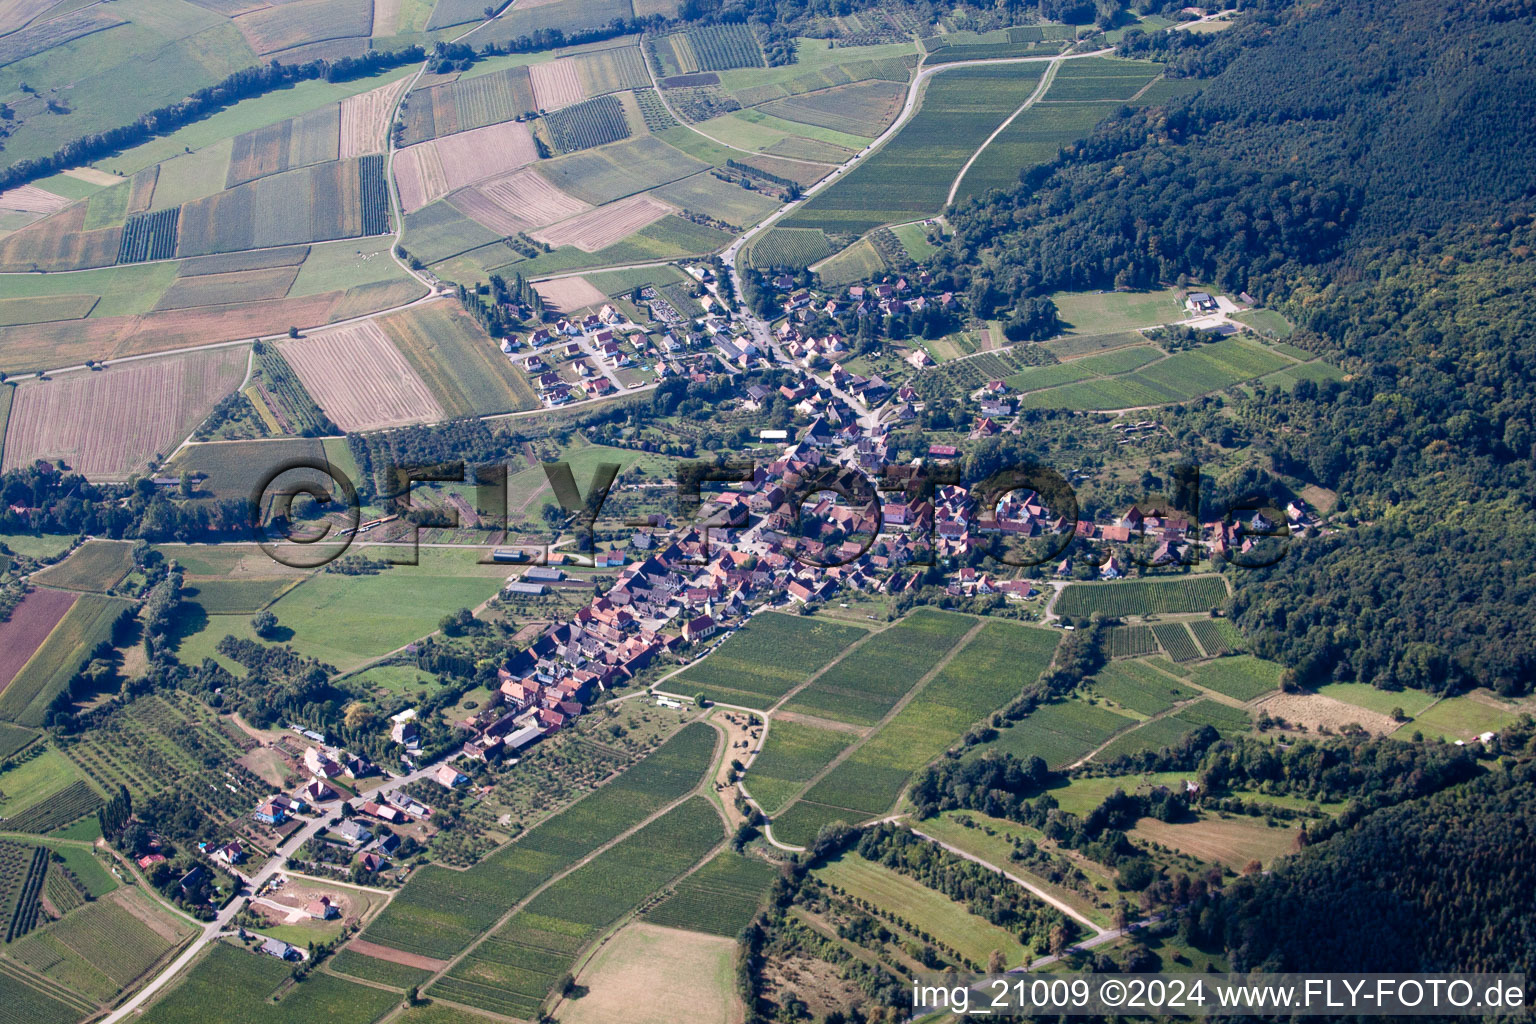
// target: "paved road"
[[220, 925]]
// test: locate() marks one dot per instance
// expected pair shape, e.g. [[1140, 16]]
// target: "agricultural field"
[[431, 170], [88, 622], [1178, 377], [242, 983], [651, 975], [859, 262], [28, 626], [42, 791], [96, 565], [172, 743], [467, 104], [1413, 702], [1232, 842], [1460, 718], [946, 920], [718, 899], [864, 686], [708, 195], [605, 225], [381, 972], [462, 367], [1242, 677], [1104, 79], [1143, 597], [622, 169], [1267, 322], [792, 755], [1061, 733], [520, 201], [1132, 642], [24, 1001], [987, 672], [790, 248], [585, 125], [1177, 641], [360, 379], [706, 48], [864, 108], [512, 971], [332, 200], [766, 657], [910, 175], [439, 911], [1139, 687], [1108, 312], [313, 137], [106, 424], [105, 946], [346, 620]]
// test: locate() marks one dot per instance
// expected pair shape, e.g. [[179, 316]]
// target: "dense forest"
[[1360, 165]]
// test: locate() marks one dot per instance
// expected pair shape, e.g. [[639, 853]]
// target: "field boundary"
[[873, 731]]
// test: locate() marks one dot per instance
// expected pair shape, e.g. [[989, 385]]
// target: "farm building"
[[448, 776], [543, 574], [530, 589]]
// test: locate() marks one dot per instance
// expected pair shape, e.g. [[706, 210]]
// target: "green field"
[[914, 239], [1034, 137], [986, 673], [910, 175], [1179, 377], [1242, 676], [1139, 687], [793, 249], [791, 757], [440, 911], [1061, 733], [102, 947], [866, 684], [974, 937], [1372, 698], [347, 620], [1142, 597], [380, 972], [241, 985], [1267, 322], [512, 971], [87, 623], [766, 658], [719, 898], [1107, 312], [32, 782], [458, 361], [859, 262], [1458, 718], [97, 565]]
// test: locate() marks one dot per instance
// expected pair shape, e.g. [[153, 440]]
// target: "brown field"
[[360, 379], [483, 153], [430, 170], [395, 956], [45, 308], [70, 343], [565, 294], [1316, 711], [386, 16], [520, 201], [141, 189], [372, 297], [29, 625], [221, 289], [31, 199], [646, 974], [96, 566], [304, 22], [556, 84], [60, 243], [601, 227], [365, 119], [16, 13], [419, 176], [92, 175], [109, 423], [1231, 842]]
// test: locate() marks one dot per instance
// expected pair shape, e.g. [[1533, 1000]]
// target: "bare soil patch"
[[1317, 712], [31, 199], [569, 293], [108, 423], [395, 956], [556, 84], [1231, 842], [646, 974], [365, 117], [601, 227], [430, 170], [360, 379], [520, 201], [29, 625]]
